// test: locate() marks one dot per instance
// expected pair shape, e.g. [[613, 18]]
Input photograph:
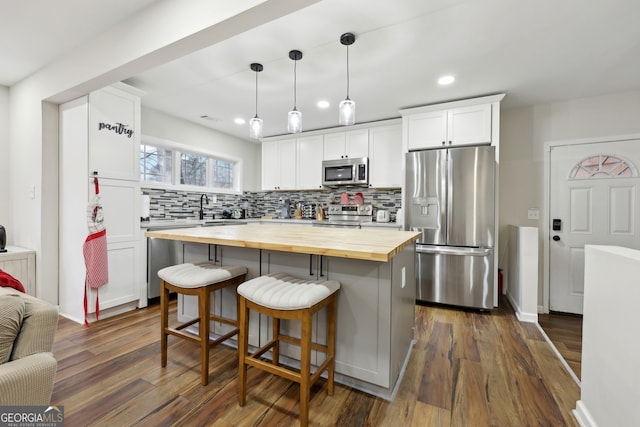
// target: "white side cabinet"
[[385, 156], [279, 164], [343, 145], [21, 264], [467, 122]]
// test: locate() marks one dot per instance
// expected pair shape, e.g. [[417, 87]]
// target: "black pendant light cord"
[[295, 63], [256, 94], [347, 71]]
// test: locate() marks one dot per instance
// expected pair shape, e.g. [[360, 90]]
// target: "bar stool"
[[200, 280], [284, 297]]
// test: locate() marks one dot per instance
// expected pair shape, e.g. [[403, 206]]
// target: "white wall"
[[187, 26], [523, 133], [4, 158], [609, 391], [160, 125], [522, 278]]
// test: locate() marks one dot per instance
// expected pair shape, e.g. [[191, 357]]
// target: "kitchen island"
[[376, 270]]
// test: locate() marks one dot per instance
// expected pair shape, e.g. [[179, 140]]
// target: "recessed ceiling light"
[[239, 121], [323, 104], [446, 80]]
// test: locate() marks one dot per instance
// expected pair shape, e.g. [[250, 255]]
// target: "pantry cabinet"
[[101, 132], [466, 122]]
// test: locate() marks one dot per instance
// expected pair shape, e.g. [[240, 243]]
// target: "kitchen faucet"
[[206, 199]]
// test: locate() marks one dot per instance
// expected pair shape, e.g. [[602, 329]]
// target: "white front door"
[[593, 200]]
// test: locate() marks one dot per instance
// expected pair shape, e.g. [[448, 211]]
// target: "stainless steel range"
[[346, 216]]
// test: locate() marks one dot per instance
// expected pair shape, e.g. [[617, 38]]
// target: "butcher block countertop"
[[365, 244]]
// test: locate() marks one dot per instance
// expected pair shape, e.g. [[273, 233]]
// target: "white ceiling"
[[536, 52]]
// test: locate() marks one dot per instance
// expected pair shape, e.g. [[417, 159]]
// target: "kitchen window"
[[155, 164], [174, 165]]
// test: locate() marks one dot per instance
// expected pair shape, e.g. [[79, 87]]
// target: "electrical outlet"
[[533, 213], [213, 198]]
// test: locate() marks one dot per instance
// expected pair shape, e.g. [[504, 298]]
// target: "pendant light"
[[294, 118], [255, 124], [347, 108]]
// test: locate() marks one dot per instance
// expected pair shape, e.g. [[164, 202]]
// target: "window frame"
[[177, 148]]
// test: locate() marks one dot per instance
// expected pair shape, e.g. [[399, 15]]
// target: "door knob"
[[556, 238]]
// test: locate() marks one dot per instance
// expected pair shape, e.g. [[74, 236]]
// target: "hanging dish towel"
[[95, 260], [95, 251]]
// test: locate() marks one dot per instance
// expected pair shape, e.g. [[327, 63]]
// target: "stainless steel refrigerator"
[[450, 198]]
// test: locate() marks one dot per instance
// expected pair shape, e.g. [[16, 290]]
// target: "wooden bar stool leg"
[[331, 342], [204, 309], [305, 367], [243, 344], [275, 332], [164, 322]]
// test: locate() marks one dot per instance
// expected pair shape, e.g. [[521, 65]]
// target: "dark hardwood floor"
[[565, 331], [467, 369]]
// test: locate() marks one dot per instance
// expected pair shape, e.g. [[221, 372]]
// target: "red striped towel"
[[96, 262]]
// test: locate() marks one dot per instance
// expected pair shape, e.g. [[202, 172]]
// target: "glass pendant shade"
[[294, 121], [255, 128], [347, 112]]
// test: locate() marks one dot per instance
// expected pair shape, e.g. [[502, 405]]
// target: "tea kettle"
[[3, 239]]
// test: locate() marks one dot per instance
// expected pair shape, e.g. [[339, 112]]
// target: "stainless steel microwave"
[[345, 172]]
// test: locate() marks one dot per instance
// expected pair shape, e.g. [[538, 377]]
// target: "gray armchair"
[[27, 377]]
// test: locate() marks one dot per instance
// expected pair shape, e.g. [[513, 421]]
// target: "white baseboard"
[[521, 315], [583, 416]]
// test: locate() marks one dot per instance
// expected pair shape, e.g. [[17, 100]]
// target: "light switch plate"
[[533, 213]]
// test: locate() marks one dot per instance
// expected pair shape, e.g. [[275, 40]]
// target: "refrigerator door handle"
[[448, 250]]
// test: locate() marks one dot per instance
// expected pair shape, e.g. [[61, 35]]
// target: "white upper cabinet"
[[310, 152], [385, 156], [343, 145], [469, 125], [466, 122], [114, 134], [427, 129], [279, 164]]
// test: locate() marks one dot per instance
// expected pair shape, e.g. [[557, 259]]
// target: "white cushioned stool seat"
[[190, 275], [282, 292]]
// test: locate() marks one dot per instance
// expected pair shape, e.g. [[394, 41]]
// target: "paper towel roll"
[[145, 203]]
